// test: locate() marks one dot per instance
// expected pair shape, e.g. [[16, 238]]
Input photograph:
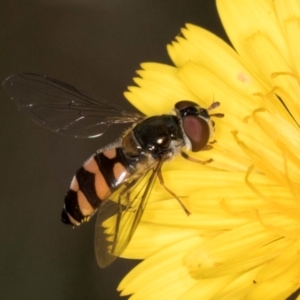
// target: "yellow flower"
[[241, 240]]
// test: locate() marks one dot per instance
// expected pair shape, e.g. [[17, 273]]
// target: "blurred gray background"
[[95, 45]]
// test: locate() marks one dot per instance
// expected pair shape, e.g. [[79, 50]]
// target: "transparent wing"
[[119, 217], [62, 108]]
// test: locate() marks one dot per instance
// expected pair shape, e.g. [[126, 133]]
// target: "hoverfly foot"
[[161, 180], [198, 161], [207, 147]]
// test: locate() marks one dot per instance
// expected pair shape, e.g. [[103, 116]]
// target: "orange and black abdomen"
[[93, 183]]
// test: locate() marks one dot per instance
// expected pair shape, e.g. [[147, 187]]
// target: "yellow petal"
[[242, 19], [279, 278], [157, 94], [210, 52], [239, 287], [270, 60], [207, 288], [288, 12], [151, 279], [145, 242]]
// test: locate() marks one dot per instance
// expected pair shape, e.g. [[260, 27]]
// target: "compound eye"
[[197, 130]]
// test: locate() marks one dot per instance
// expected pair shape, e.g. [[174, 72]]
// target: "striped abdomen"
[[93, 183]]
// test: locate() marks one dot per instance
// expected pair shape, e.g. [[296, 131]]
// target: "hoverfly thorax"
[[156, 135]]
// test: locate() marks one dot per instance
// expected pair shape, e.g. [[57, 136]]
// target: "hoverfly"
[[119, 177]]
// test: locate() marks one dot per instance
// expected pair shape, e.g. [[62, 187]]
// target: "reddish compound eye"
[[197, 130], [195, 123]]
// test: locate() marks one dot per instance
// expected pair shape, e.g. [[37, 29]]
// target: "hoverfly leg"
[[202, 162], [127, 196], [207, 147], [161, 181]]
